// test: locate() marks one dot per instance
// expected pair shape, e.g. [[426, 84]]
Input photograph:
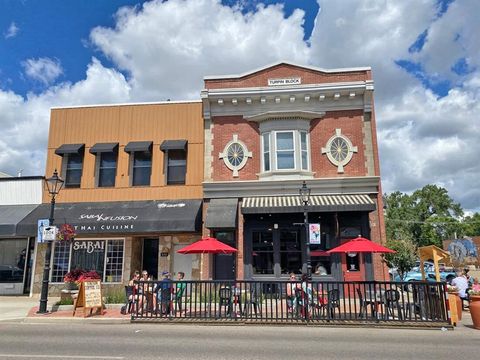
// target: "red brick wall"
[[350, 122], [223, 129], [260, 78]]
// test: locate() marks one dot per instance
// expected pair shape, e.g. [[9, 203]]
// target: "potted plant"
[[71, 279], [66, 232], [474, 307], [89, 276]]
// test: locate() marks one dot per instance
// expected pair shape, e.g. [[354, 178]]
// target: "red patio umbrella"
[[360, 245], [207, 245]]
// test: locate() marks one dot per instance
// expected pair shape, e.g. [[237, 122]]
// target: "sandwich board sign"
[[89, 297]]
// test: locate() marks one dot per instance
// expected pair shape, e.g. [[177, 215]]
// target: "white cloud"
[[44, 69], [25, 121], [167, 47], [12, 31]]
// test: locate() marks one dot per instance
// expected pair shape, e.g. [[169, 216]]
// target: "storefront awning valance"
[[222, 214], [70, 149], [104, 148], [174, 145], [320, 203], [11, 215], [133, 146], [120, 217]]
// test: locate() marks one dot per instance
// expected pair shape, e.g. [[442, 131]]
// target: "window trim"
[[268, 136], [104, 263]]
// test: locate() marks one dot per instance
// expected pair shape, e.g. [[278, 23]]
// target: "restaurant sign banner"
[[314, 234]]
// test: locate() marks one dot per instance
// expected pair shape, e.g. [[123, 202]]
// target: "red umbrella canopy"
[[207, 245], [361, 245]]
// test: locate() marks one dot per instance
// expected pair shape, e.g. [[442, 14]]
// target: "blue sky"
[[425, 58]]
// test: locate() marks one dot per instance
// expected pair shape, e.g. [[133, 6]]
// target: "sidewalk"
[[17, 307]]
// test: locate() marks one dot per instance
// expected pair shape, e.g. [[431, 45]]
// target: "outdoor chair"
[[225, 294], [252, 303], [364, 304], [392, 304], [129, 302], [333, 302]]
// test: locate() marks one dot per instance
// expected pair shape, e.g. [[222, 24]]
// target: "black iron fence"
[[287, 301]]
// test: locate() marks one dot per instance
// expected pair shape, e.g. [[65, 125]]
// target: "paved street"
[[20, 340]]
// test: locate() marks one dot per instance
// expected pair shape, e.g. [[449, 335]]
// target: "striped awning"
[[320, 203]]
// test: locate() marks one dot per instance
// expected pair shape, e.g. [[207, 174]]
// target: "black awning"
[[104, 148], [222, 214], [70, 149], [11, 215], [174, 145], [121, 217], [133, 146]]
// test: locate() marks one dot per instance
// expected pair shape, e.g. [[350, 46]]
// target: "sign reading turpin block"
[[89, 297]]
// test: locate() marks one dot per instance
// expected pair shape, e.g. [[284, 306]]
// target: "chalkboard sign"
[[89, 297]]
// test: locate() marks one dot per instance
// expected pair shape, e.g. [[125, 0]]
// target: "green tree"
[[403, 259], [472, 225], [426, 217]]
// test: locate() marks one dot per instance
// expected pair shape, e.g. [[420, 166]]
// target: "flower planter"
[[71, 286], [475, 310]]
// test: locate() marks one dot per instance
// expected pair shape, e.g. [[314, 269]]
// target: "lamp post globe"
[[305, 197], [53, 185]]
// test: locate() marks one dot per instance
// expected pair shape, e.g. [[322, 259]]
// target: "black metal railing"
[[286, 301]]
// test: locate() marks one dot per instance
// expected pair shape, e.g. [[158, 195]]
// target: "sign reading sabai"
[[89, 297]]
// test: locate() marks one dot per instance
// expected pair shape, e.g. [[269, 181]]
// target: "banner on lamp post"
[[42, 224], [314, 234]]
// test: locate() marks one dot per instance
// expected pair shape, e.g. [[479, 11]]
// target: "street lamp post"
[[305, 196], [53, 185]]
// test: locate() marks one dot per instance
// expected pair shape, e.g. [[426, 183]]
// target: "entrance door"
[[150, 257], [224, 264], [353, 266]]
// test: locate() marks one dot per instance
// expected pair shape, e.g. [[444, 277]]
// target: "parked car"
[[416, 274]]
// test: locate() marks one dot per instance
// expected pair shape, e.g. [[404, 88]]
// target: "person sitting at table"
[[475, 285], [461, 282], [133, 298]]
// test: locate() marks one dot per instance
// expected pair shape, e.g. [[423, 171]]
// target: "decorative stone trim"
[[235, 155]]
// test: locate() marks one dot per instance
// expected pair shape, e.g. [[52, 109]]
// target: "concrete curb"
[[69, 320]]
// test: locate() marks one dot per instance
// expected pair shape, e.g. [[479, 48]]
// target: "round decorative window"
[[339, 150], [235, 155]]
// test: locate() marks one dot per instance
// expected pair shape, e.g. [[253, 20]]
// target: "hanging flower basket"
[[66, 232]]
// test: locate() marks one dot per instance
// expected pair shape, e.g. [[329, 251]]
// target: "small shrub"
[[114, 296], [68, 301]]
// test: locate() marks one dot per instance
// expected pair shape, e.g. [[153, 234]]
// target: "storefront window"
[[61, 257], [320, 259], [290, 252], [12, 260], [262, 246], [177, 167], [103, 256]]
